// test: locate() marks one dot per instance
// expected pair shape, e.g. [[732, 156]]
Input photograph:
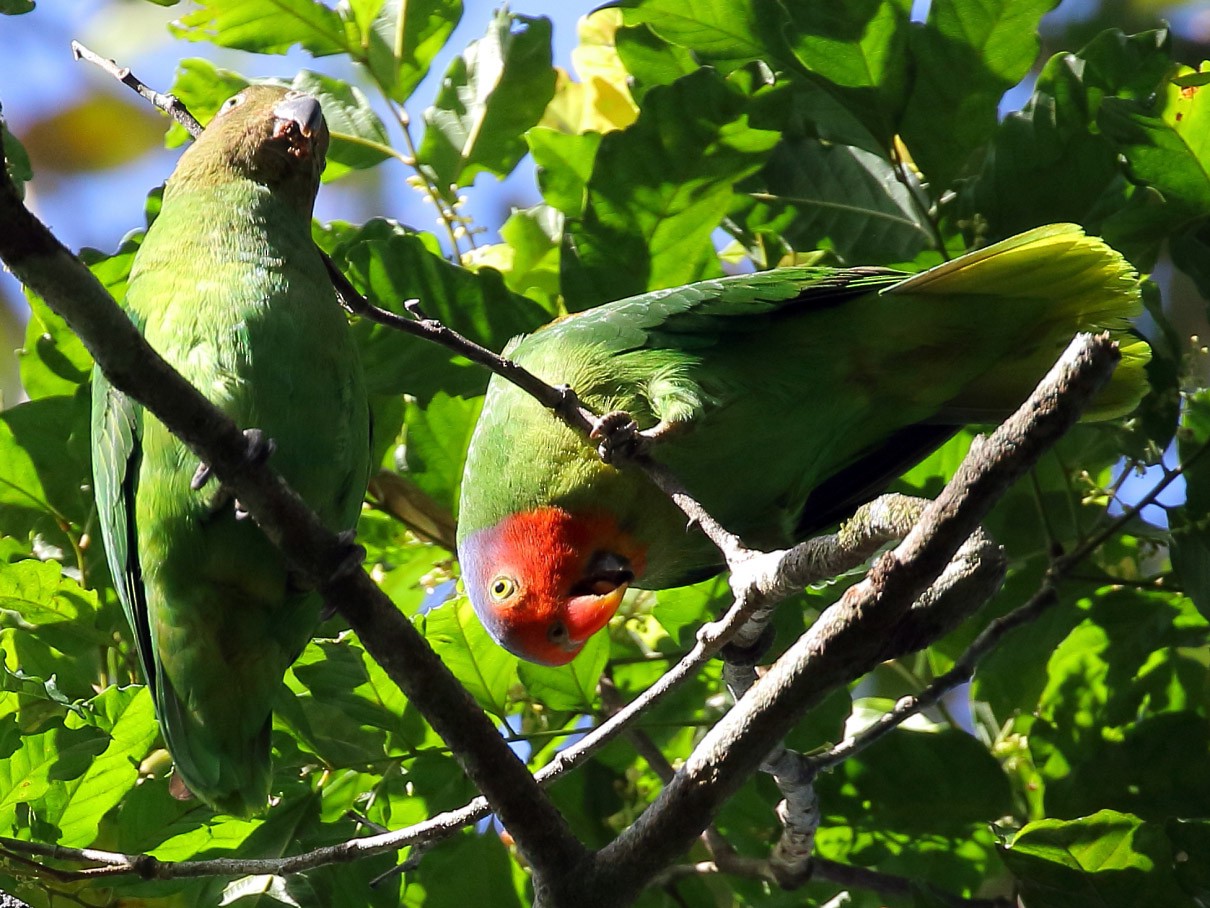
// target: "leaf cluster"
[[695, 137]]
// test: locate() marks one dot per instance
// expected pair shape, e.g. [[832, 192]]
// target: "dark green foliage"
[[792, 131]]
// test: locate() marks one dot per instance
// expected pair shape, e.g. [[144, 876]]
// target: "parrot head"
[[269, 134], [544, 581]]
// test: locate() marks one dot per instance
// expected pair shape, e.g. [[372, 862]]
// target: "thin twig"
[[165, 102]]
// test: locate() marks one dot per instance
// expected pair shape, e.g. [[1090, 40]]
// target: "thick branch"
[[42, 263], [852, 636]]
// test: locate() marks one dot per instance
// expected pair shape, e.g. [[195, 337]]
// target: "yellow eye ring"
[[502, 587]]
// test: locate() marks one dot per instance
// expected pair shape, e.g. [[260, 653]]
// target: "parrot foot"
[[752, 654], [260, 448], [353, 558], [618, 436]]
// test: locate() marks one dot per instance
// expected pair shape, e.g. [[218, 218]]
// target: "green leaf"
[[572, 686], [32, 688], [496, 90], [1190, 525], [993, 44], [651, 60], [129, 718], [359, 140], [38, 592], [1166, 143], [1118, 723], [860, 49], [393, 266], [345, 709], [842, 197], [44, 460], [1050, 161], [1105, 860], [16, 159], [15, 8], [202, 87], [55, 755], [681, 611], [482, 666], [564, 165], [437, 438], [658, 191], [403, 38], [533, 236], [466, 870], [265, 26], [722, 32], [929, 782], [53, 360]]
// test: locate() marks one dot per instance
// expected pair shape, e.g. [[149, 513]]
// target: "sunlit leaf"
[[127, 716], [1106, 860], [437, 439], [658, 191], [490, 96], [403, 37], [993, 45], [860, 49], [572, 686], [202, 87], [722, 32], [265, 26], [394, 266], [482, 666]]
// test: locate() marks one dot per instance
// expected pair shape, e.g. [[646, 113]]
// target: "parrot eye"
[[503, 587], [232, 102]]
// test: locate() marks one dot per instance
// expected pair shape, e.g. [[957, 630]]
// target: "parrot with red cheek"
[[782, 400]]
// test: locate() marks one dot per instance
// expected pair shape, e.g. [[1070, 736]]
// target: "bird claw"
[[260, 448], [201, 476], [618, 437], [354, 556]]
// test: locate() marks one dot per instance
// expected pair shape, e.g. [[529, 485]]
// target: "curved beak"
[[596, 596], [300, 119]]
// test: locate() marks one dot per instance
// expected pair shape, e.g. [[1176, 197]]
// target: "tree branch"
[[44, 265], [852, 636]]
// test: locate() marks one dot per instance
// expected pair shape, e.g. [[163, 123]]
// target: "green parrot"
[[229, 288], [781, 399]]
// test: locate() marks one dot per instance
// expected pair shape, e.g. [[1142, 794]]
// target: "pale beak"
[[596, 596]]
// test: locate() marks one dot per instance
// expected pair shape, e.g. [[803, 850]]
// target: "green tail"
[[1088, 287]]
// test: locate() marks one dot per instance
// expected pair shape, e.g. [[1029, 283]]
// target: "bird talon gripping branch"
[[260, 449], [617, 436]]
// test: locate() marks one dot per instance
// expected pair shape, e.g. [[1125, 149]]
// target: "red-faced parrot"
[[783, 399]]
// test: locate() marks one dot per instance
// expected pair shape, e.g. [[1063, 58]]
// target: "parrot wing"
[[117, 430]]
